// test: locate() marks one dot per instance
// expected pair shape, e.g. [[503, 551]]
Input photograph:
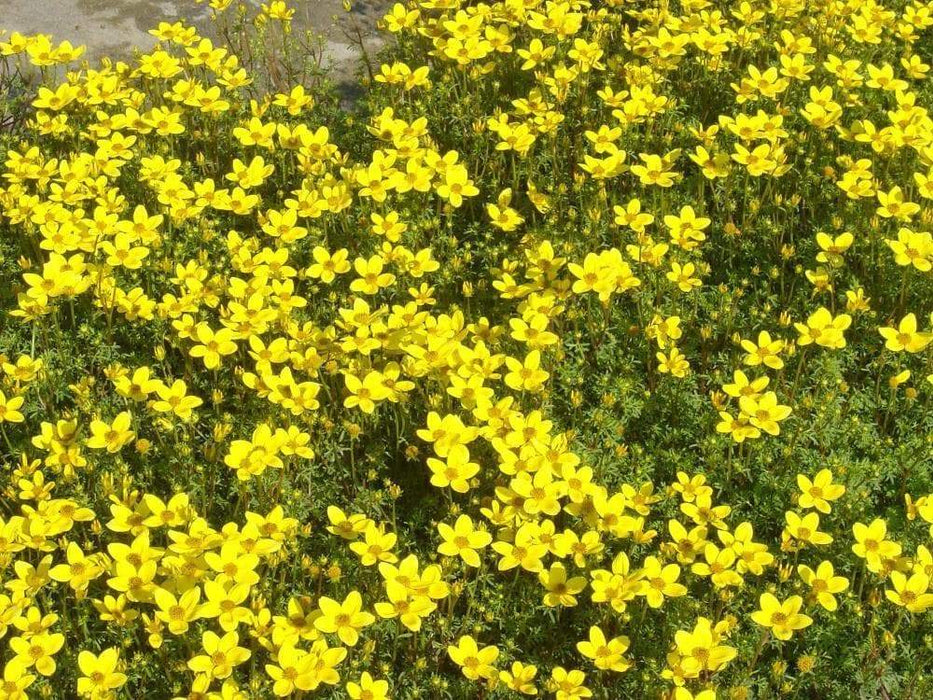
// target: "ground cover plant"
[[587, 355]]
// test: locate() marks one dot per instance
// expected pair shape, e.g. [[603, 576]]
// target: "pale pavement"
[[115, 27]]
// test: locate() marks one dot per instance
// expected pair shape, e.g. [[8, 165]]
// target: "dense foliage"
[[588, 355]]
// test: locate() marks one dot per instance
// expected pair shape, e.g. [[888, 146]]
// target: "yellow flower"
[[463, 540], [655, 170], [473, 662], [703, 512], [9, 409], [660, 582], [174, 399], [540, 493], [233, 565], [766, 351], [526, 375], [347, 527], [252, 457], [752, 556], [739, 428], [905, 336], [456, 184], [673, 362], [871, 545], [831, 249], [121, 252], [718, 565], [526, 551], [38, 651], [823, 583], [367, 688], [455, 472], [502, 215], [212, 346], [681, 693], [16, 680], [139, 386], [366, 392], [328, 265], [824, 329], [520, 678], [857, 301], [686, 229], [896, 380], [632, 216], [687, 544], [818, 493], [100, 673], [344, 619], [376, 546], [607, 655], [568, 685], [80, 569], [892, 204], [408, 608], [683, 276], [111, 436], [292, 669], [560, 590], [533, 331], [177, 613], [700, 648], [764, 411], [222, 654], [910, 593], [255, 133], [689, 487], [783, 619], [742, 386], [806, 528], [371, 276], [912, 249]]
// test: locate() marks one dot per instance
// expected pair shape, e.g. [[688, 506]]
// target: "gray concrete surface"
[[115, 27]]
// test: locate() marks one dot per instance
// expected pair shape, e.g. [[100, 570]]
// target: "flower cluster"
[[588, 355]]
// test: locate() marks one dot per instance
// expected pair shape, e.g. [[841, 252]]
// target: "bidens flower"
[[606, 655], [100, 673], [910, 592], [473, 662], [905, 337], [823, 583], [222, 655], [344, 619], [455, 471], [111, 436], [818, 492], [463, 540], [783, 619]]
